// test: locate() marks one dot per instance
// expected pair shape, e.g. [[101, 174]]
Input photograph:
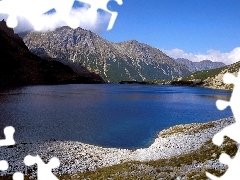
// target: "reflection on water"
[[126, 116], [221, 97]]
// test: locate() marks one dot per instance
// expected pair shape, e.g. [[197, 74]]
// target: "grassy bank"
[[180, 166]]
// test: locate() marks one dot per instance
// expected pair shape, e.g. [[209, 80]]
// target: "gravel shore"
[[80, 157]]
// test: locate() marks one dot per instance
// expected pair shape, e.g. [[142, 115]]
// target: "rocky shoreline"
[[77, 157]]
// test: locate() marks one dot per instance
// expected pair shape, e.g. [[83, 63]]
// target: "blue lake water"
[[108, 115]]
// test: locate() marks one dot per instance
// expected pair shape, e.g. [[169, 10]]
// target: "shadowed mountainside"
[[18, 66]]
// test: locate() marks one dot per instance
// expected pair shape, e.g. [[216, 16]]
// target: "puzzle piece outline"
[[233, 163], [44, 171], [9, 140], [103, 6], [20, 11], [9, 136], [39, 7], [230, 131]]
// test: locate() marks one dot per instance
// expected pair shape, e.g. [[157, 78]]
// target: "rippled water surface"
[[126, 116]]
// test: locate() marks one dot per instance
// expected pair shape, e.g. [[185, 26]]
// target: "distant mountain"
[[198, 66], [18, 66], [114, 62], [214, 78]]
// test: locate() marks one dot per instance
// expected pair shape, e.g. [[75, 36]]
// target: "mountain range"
[[92, 59], [18, 66], [199, 66], [114, 62]]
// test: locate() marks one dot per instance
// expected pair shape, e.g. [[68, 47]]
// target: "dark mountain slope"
[[18, 66]]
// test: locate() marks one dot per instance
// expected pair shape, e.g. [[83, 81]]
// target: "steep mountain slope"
[[114, 62], [199, 66], [214, 78], [18, 66]]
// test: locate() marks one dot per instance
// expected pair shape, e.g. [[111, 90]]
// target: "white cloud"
[[213, 55], [28, 14], [78, 18]]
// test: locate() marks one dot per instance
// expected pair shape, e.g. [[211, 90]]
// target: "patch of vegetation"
[[163, 168], [203, 74], [187, 129]]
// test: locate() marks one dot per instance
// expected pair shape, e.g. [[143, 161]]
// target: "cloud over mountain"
[[79, 16], [213, 55]]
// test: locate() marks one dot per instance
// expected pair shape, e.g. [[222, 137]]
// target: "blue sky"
[[192, 29], [194, 26]]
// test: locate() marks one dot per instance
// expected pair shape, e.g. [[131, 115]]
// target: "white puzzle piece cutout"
[[33, 11], [18, 176], [8, 132], [44, 171], [9, 140], [101, 4], [233, 170], [232, 131]]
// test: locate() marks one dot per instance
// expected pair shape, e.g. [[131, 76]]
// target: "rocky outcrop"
[[114, 62], [199, 66], [214, 78], [216, 82], [18, 66]]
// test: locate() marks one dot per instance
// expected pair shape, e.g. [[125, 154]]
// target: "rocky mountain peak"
[[114, 62]]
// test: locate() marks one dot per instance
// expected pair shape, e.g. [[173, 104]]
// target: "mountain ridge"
[[198, 66], [114, 62]]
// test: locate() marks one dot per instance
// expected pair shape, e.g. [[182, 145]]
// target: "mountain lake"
[[107, 115]]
